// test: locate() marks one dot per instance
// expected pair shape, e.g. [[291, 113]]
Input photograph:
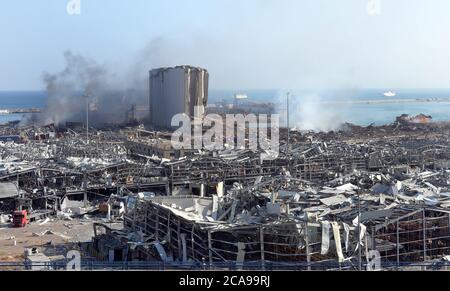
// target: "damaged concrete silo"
[[177, 90]]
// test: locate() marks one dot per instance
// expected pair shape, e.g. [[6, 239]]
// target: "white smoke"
[[317, 111]]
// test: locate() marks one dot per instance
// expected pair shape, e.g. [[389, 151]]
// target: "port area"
[[389, 101], [19, 110], [122, 196]]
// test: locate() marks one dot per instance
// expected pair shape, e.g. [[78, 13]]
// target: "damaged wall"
[[176, 90]]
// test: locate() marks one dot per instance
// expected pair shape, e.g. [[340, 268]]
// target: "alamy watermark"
[[73, 261], [374, 261], [73, 7], [236, 132]]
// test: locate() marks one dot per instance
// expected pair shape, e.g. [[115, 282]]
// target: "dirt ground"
[[61, 234]]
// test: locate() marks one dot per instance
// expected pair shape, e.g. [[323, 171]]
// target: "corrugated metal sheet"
[[8, 190]]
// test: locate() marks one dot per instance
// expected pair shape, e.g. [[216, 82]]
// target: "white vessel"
[[390, 94]]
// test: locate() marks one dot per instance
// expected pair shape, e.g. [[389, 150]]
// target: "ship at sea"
[[390, 94]]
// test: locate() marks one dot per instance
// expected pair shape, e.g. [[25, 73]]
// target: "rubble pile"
[[329, 200]]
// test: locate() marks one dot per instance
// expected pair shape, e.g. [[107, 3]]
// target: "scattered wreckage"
[[323, 204], [329, 201]]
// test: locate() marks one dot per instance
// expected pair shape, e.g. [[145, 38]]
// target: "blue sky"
[[243, 43]]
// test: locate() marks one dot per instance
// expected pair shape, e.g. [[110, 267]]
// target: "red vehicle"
[[20, 218]]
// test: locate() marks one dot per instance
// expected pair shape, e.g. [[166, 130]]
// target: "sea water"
[[377, 110]]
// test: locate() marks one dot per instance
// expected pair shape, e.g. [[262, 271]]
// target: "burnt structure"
[[327, 202]]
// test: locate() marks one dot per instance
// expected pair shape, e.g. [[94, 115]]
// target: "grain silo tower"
[[177, 90]]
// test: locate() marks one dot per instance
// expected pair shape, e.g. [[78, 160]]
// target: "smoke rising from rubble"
[[114, 88], [312, 111], [110, 95]]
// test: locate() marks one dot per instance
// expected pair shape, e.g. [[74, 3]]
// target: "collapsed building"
[[421, 118], [328, 201]]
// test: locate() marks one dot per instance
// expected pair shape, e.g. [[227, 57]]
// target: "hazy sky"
[[243, 43]]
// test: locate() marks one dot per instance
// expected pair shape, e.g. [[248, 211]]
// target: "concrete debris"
[[46, 220], [60, 235], [327, 197], [418, 119], [41, 233], [4, 219], [48, 231]]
